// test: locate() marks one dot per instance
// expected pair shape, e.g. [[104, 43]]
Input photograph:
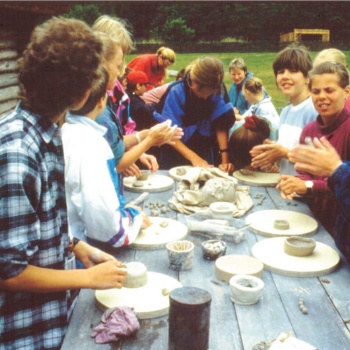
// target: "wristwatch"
[[309, 186]]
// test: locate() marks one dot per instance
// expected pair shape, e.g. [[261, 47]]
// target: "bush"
[[176, 30]]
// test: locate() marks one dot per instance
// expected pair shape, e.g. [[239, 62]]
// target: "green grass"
[[260, 64]]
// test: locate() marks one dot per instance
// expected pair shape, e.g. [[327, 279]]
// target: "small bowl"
[[222, 210], [245, 289], [213, 249], [299, 246], [143, 176]]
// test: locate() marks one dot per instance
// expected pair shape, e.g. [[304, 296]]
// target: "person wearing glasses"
[[199, 105], [154, 65]]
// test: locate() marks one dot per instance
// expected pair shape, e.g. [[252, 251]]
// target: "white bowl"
[[245, 289], [222, 210]]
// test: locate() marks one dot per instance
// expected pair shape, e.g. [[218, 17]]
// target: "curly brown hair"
[[61, 62]]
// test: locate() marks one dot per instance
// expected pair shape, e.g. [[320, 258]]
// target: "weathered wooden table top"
[[234, 326]]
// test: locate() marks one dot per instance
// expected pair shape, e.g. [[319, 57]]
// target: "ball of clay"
[[138, 184]]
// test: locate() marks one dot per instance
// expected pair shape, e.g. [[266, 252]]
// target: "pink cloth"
[[115, 323]]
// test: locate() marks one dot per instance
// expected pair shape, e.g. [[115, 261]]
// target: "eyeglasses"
[[167, 58]]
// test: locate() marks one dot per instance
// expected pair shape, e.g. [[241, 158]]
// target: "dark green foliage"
[[213, 21]]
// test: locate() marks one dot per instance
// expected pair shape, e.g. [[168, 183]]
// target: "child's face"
[[292, 83], [328, 96], [249, 97], [114, 67], [237, 75]]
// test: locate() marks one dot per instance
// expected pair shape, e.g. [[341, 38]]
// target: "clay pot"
[[213, 249], [136, 276], [180, 255], [222, 210], [245, 289], [299, 246], [143, 176]]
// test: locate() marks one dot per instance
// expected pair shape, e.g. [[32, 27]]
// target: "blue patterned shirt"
[[339, 182], [33, 228]]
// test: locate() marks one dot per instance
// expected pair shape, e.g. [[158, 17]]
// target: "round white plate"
[[257, 178], [271, 253], [156, 236], [262, 222], [154, 183], [177, 177]]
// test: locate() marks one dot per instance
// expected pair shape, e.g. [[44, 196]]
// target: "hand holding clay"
[[264, 156], [227, 167], [106, 275], [132, 170], [150, 162], [322, 160], [162, 133]]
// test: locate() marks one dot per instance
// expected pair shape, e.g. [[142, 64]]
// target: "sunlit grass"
[[260, 64]]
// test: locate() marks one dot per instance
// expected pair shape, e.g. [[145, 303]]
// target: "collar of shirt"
[[82, 120]]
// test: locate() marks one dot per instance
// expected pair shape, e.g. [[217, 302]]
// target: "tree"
[[176, 30], [87, 13]]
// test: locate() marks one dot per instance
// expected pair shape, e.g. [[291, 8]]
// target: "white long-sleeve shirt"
[[95, 208]]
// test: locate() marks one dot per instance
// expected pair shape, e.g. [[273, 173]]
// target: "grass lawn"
[[260, 64]]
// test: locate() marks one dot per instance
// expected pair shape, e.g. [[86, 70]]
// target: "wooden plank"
[[8, 54], [8, 79], [7, 106], [153, 334], [9, 93], [235, 326], [86, 316], [336, 286], [322, 327], [8, 66]]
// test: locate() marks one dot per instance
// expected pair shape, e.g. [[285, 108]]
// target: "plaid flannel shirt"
[[33, 228]]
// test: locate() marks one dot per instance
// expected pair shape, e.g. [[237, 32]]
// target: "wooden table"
[[232, 326]]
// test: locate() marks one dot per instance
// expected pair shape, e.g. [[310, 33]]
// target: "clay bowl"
[[222, 210], [245, 289], [136, 276], [143, 176], [213, 249], [180, 255], [299, 246]]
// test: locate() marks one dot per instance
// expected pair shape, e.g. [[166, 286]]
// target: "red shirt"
[[149, 65]]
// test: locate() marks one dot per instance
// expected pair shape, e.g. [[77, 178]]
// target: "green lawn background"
[[260, 64]]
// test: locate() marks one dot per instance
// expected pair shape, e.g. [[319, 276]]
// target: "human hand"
[[265, 155], [162, 133], [110, 274], [322, 160], [227, 167], [290, 186], [150, 162], [199, 162], [132, 170], [146, 221], [91, 256]]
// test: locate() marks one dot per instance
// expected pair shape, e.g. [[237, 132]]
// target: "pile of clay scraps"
[[200, 187]]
